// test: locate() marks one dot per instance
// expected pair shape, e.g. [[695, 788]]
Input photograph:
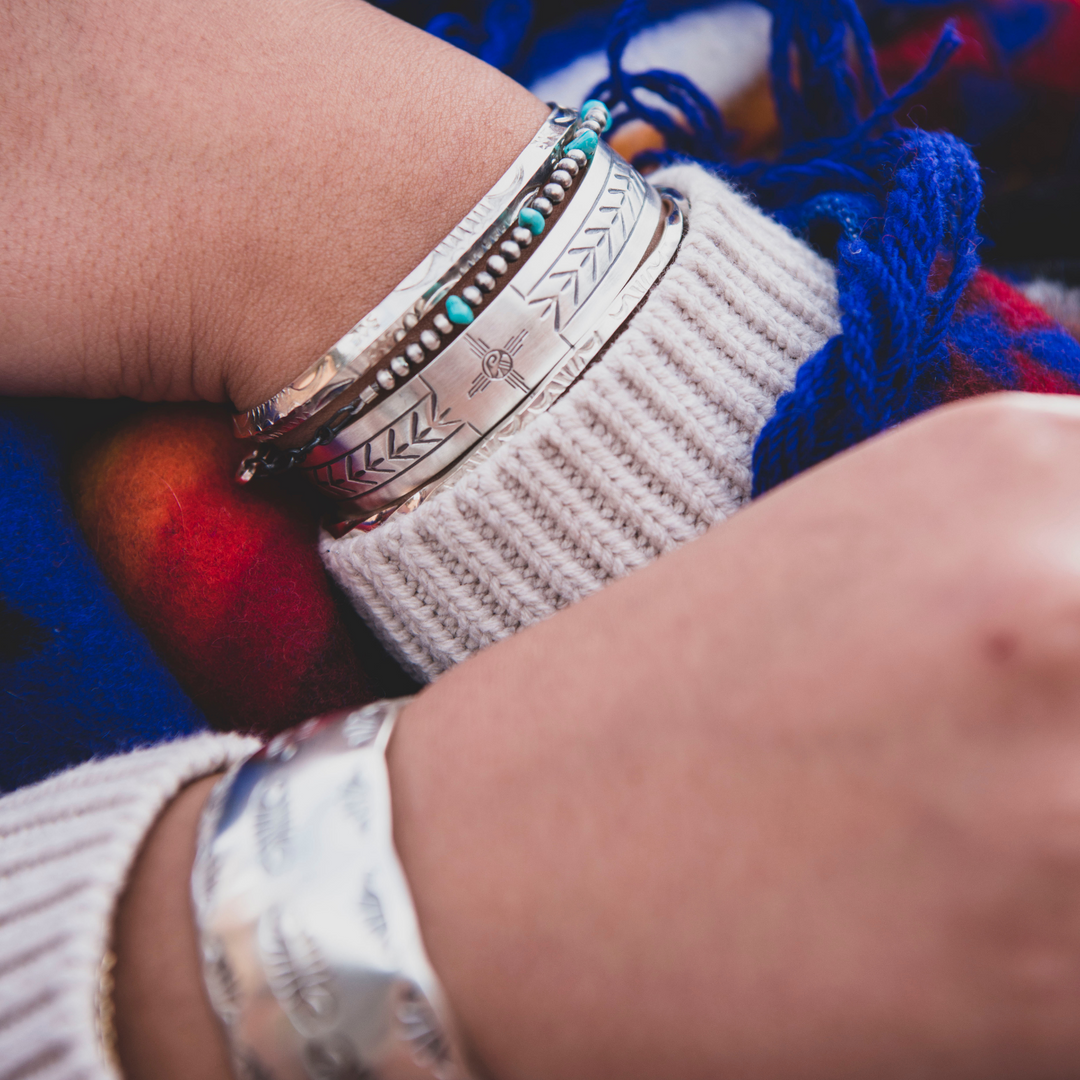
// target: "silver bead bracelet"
[[508, 329], [422, 289]]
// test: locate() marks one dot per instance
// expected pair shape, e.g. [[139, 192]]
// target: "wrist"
[[367, 198], [165, 1029]]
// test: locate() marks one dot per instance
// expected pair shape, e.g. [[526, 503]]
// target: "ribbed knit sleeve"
[[651, 447], [66, 848]]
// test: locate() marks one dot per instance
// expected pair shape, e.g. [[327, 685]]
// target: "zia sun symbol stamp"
[[497, 363]]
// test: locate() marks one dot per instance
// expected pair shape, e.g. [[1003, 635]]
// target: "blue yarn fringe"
[[895, 207], [900, 203]]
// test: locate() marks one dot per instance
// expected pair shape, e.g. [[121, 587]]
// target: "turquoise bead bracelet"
[[595, 119], [593, 106], [532, 219], [457, 311], [586, 142]]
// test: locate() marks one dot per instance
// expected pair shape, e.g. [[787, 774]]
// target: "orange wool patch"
[[225, 580]]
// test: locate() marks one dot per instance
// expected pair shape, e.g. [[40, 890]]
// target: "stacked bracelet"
[[508, 327], [312, 953]]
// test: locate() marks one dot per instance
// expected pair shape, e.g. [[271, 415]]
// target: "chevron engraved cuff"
[[424, 287], [527, 345], [312, 953]]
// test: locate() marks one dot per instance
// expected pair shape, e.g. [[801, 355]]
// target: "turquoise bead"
[[532, 219], [592, 103], [586, 142], [457, 311]]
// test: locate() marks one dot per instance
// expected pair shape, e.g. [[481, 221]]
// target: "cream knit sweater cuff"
[[66, 848], [645, 452]]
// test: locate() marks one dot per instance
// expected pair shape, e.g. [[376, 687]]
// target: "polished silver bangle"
[[374, 335], [563, 374], [311, 948]]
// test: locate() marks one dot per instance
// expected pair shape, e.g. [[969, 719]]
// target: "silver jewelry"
[[312, 953], [499, 349], [372, 337], [555, 314], [566, 373]]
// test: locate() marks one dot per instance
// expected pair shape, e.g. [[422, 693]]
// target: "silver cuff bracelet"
[[311, 949], [521, 352], [431, 382]]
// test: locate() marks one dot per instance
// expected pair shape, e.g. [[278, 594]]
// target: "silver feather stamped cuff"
[[311, 949]]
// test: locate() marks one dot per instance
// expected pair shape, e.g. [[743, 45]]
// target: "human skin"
[[800, 800], [198, 199]]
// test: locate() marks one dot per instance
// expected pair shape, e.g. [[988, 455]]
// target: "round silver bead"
[[562, 178], [430, 340], [485, 281], [578, 156], [510, 250], [414, 353], [472, 295], [554, 192], [568, 164], [399, 366], [596, 126], [521, 236], [542, 205], [399, 334], [443, 324], [385, 379], [497, 265], [410, 320]]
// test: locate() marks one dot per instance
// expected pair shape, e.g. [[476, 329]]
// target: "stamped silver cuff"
[[524, 349], [311, 949]]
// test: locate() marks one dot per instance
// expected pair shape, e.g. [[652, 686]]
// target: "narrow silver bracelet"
[[466, 352], [311, 948], [424, 287]]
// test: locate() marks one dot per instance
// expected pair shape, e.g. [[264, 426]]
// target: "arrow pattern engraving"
[[412, 437], [600, 238]]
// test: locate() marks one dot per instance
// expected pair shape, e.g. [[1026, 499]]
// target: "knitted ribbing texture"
[[66, 848], [645, 452]]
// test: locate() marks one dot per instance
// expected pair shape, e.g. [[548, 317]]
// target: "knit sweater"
[[66, 848], [645, 452], [651, 447]]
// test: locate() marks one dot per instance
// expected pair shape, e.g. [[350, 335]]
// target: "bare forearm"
[[796, 801], [198, 199]]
